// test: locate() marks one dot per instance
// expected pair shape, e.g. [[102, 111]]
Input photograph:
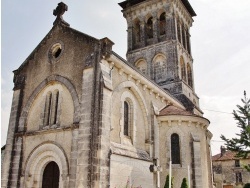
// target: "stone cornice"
[[179, 7], [47, 131], [191, 119], [147, 84]]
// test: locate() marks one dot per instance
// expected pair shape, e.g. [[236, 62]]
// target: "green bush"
[[184, 183], [247, 185], [167, 182]]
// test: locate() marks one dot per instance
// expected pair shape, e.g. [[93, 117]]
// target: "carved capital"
[[106, 47], [19, 82]]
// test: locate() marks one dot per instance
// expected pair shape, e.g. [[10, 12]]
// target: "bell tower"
[[159, 45]]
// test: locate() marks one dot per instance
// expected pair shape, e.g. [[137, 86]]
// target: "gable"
[[63, 51]]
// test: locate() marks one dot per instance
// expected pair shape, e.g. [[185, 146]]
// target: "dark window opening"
[[188, 42], [149, 28], [163, 24], [189, 74], [179, 32], [175, 149], [51, 108], [57, 53], [237, 163], [183, 37], [126, 118], [47, 109], [55, 107]]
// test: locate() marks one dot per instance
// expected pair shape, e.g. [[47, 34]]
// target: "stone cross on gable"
[[58, 12]]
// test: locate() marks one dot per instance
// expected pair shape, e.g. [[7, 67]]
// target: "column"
[[142, 30], [130, 35], [73, 159], [196, 160], [84, 135], [171, 33], [155, 29]]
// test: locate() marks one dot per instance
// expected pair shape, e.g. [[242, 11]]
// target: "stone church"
[[82, 116]]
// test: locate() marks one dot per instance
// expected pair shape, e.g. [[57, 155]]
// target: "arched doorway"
[[51, 176]]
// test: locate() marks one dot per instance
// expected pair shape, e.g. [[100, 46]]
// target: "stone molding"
[[135, 90], [141, 79], [40, 87], [182, 142], [128, 97], [37, 161]]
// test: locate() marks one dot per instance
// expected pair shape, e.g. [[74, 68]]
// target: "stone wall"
[[128, 172]]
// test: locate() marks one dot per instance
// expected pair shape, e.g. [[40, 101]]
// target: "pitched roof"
[[173, 110], [64, 29], [228, 155]]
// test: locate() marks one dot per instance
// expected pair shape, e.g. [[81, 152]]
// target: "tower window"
[[189, 74], [163, 24], [175, 149], [188, 42], [183, 70], [142, 66], [179, 31], [183, 37], [159, 68], [149, 28], [126, 118]]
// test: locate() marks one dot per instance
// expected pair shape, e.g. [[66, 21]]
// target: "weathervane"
[[58, 12]]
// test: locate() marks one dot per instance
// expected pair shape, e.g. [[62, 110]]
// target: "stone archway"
[[38, 160]]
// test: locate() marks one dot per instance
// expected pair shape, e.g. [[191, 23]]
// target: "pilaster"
[[155, 29], [196, 160], [7, 161], [130, 35], [13, 150], [84, 134], [73, 158]]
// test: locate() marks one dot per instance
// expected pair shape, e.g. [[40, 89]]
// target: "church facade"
[[82, 116]]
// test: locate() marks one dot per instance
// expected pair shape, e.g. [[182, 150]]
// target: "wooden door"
[[51, 176]]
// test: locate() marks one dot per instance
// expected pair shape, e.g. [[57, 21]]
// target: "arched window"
[[184, 37], [149, 28], [188, 42], [126, 119], [179, 31], [47, 108], [183, 69], [142, 66], [51, 176], [175, 149], [159, 68], [189, 75], [163, 24], [51, 108], [55, 107]]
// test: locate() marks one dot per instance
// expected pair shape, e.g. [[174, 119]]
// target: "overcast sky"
[[220, 40]]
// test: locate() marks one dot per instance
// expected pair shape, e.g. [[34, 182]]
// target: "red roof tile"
[[173, 110], [228, 155]]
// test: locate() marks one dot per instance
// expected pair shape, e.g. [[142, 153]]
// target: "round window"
[[55, 51]]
